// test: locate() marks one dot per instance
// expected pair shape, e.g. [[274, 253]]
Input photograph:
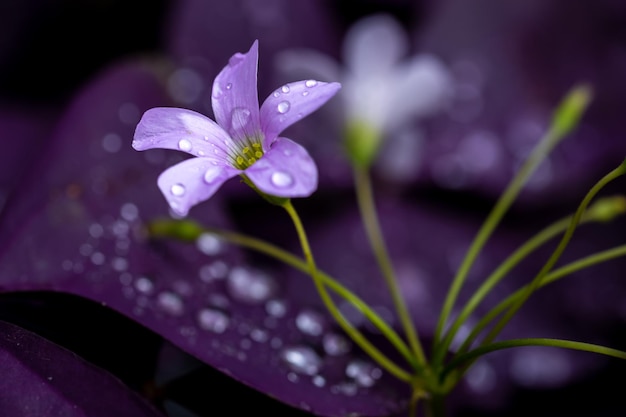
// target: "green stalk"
[[372, 226], [190, 231], [555, 275], [616, 173], [603, 210], [354, 334], [564, 120], [472, 355]]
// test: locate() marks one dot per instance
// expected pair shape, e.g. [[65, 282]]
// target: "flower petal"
[[181, 130], [235, 98], [193, 181], [292, 102], [421, 86], [374, 45], [286, 170]]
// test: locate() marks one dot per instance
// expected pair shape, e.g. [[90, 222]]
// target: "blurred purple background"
[[510, 63]]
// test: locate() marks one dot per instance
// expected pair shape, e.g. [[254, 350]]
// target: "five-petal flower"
[[244, 141]]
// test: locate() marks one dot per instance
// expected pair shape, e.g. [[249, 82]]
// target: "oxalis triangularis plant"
[[244, 141]]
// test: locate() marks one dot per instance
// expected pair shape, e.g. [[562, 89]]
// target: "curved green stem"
[[370, 220], [507, 344], [354, 334], [190, 231], [553, 276], [617, 172], [603, 210], [564, 120]]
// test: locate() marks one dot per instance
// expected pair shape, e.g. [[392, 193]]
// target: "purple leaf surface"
[[77, 227], [41, 378]]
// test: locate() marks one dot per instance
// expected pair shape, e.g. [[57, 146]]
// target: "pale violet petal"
[[286, 170], [235, 99], [292, 102], [421, 87], [374, 45], [182, 130], [305, 63], [193, 181]]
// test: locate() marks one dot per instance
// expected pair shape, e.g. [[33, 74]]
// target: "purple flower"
[[244, 141]]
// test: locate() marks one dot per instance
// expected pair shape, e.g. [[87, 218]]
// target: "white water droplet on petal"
[[302, 359], [212, 173], [213, 320], [305, 93], [178, 190], [282, 179], [229, 86], [276, 94], [285, 89], [310, 322], [283, 107], [310, 83], [239, 117], [170, 303], [184, 145]]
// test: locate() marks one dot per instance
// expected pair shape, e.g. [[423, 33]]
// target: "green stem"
[[604, 210], [354, 334], [472, 355], [370, 220], [565, 118], [553, 276], [188, 231], [617, 172]]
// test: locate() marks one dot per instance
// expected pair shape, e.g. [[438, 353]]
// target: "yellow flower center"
[[247, 155]]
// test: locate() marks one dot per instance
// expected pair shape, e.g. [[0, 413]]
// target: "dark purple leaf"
[[41, 378], [77, 226]]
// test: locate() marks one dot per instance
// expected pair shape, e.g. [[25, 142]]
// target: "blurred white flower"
[[384, 89]]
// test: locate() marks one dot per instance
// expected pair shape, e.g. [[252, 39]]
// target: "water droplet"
[[319, 381], [285, 89], [335, 344], [119, 264], [184, 145], [239, 117], [310, 322], [302, 359], [178, 190], [213, 320], [170, 303], [217, 91], [96, 230], [97, 258], [305, 93], [144, 285], [112, 143], [129, 212], [283, 107], [251, 287], [363, 373], [310, 83], [259, 335], [281, 179], [276, 308], [229, 86], [209, 244], [346, 388], [215, 271]]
